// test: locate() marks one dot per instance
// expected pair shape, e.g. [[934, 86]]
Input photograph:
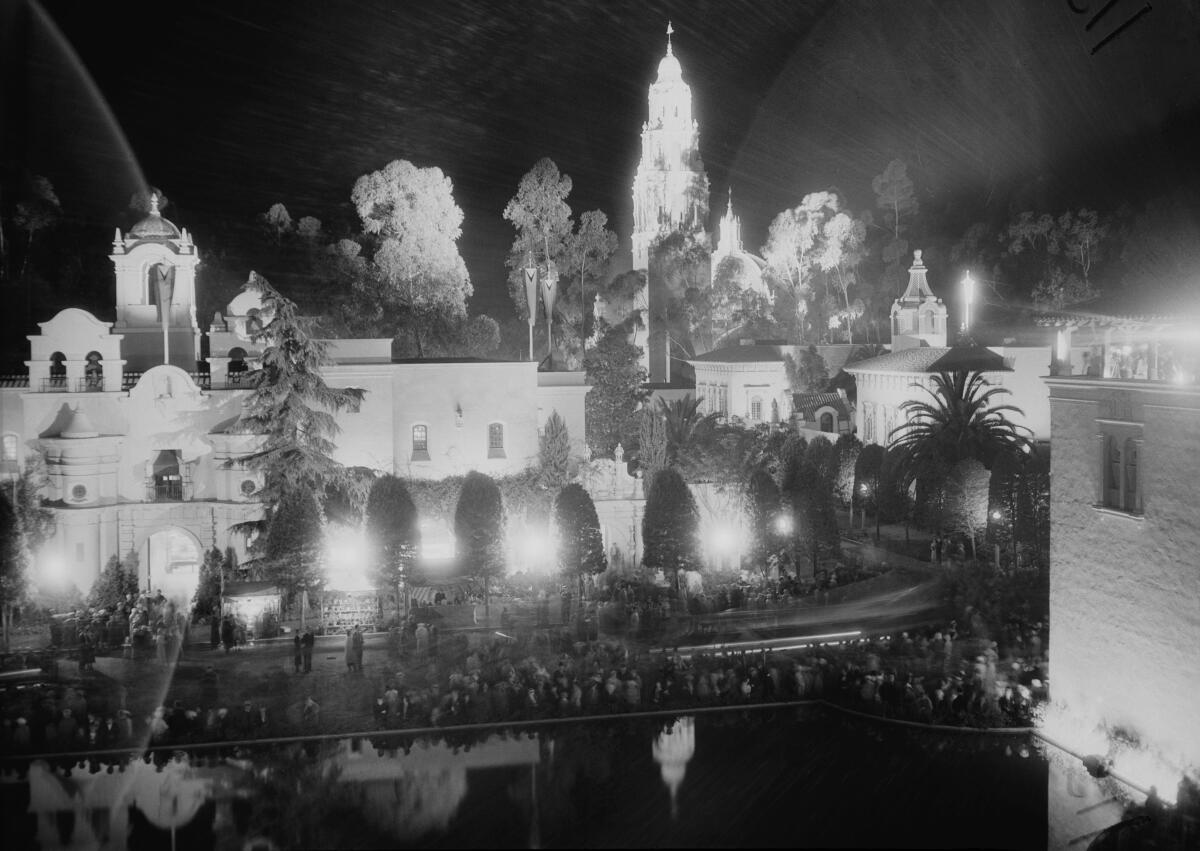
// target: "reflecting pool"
[[806, 776]]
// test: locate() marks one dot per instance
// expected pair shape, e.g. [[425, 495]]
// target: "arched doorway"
[[169, 561]]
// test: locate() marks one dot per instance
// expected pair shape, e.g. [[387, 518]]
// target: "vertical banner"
[[164, 280], [549, 296], [531, 296], [531, 292]]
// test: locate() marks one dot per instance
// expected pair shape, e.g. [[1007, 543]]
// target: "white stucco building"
[[919, 342], [141, 444], [1124, 586]]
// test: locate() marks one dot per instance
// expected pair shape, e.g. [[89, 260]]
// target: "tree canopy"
[[616, 376], [419, 274], [960, 421], [671, 526], [479, 529], [580, 543], [393, 531]]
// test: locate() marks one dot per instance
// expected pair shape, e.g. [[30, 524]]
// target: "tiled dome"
[[154, 226]]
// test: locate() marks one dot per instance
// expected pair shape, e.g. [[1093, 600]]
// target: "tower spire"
[[729, 203], [670, 30]]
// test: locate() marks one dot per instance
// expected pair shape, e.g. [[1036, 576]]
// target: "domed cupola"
[[669, 69], [155, 265], [154, 226]]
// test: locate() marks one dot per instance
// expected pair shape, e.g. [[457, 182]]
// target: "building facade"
[[1124, 585], [141, 441], [919, 343]]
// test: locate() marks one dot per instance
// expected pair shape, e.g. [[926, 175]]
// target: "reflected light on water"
[[672, 750]]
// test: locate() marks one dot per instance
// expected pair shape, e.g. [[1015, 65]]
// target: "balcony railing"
[[90, 384], [168, 489], [54, 384]]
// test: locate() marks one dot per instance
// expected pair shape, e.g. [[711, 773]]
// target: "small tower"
[[918, 316], [155, 265]]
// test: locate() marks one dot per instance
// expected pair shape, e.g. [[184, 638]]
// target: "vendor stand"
[[254, 605]]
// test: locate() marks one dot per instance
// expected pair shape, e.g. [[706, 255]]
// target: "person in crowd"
[[297, 653], [357, 646], [208, 687], [306, 650], [227, 633], [349, 654]]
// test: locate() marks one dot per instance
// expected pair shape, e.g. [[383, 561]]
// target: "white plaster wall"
[[1125, 593]]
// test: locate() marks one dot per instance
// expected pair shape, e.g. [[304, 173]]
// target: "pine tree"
[[580, 543], [293, 409], [554, 453], [118, 580], [671, 526], [868, 482], [479, 530], [207, 600]]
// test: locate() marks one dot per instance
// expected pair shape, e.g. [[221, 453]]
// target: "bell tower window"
[[168, 479]]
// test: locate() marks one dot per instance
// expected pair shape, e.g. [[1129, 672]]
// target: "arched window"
[[420, 443], [93, 372], [827, 422], [9, 446], [168, 481], [237, 365], [756, 408], [496, 440], [58, 370]]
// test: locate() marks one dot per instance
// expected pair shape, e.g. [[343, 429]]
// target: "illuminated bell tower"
[[155, 266], [670, 189], [918, 317]]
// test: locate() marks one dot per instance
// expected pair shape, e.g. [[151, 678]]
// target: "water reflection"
[[607, 783], [672, 750]]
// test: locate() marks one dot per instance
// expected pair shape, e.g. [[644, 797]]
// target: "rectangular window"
[[9, 448], [756, 409], [496, 440], [1120, 474]]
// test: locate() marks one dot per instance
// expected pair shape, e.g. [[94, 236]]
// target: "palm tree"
[[682, 418], [961, 422]]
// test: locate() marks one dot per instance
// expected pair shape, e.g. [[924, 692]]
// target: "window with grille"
[[496, 440], [420, 443], [756, 409]]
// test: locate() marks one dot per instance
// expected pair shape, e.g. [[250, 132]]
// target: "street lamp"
[[968, 298], [783, 524]]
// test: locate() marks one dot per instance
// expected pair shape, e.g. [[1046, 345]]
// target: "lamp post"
[[968, 284]]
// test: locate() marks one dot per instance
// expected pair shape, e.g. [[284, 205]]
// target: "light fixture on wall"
[[458, 416]]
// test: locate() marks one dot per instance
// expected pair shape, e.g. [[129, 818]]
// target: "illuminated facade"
[[919, 342], [1124, 587], [139, 431]]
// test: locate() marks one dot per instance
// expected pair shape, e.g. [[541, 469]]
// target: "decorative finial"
[[729, 204], [670, 30], [154, 203], [917, 258]]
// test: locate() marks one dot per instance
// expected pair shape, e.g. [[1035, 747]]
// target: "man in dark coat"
[[227, 632]]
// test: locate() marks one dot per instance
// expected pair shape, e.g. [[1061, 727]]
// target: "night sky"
[[232, 106]]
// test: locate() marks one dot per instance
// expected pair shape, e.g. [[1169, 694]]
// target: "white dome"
[[669, 69]]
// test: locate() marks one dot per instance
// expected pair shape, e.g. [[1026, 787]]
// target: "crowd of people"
[[140, 627]]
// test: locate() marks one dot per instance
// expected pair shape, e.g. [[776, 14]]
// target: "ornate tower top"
[[670, 30], [918, 316]]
